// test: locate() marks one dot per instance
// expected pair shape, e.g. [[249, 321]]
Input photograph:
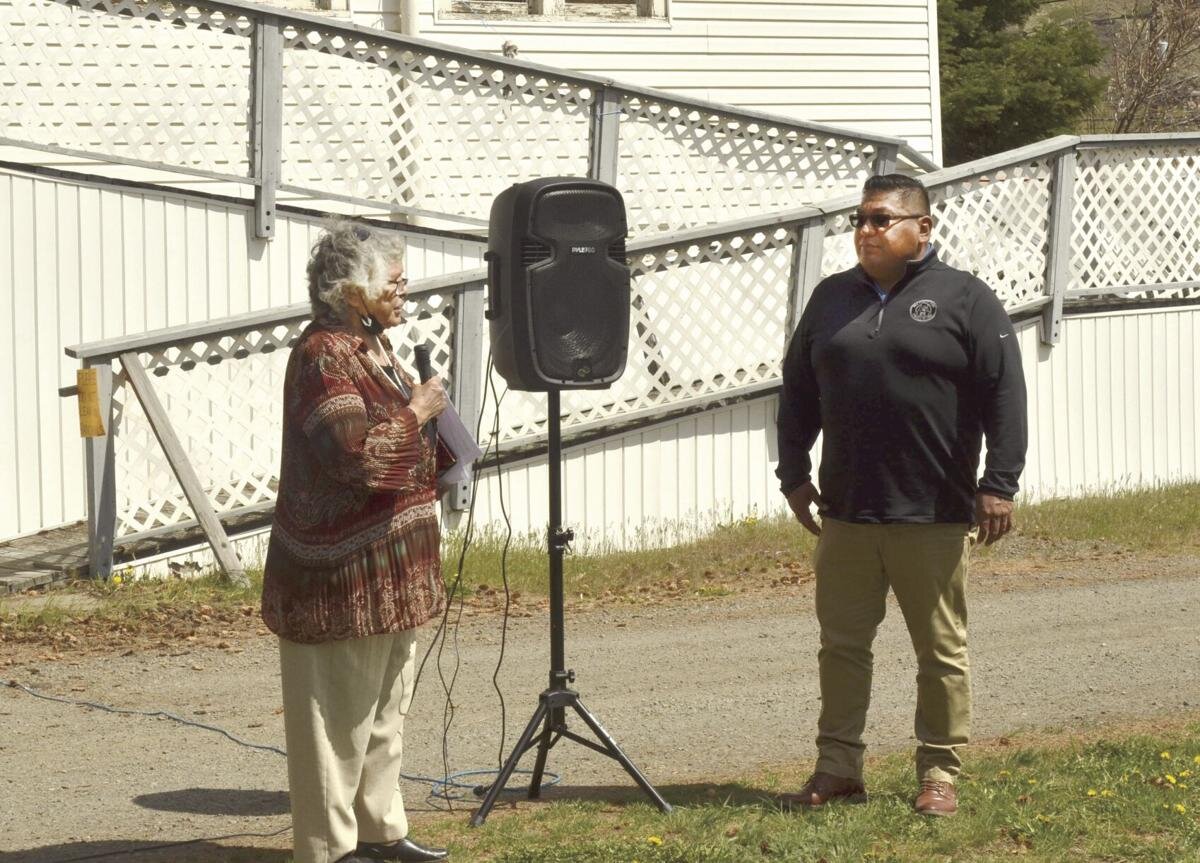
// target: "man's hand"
[[993, 515], [801, 500]]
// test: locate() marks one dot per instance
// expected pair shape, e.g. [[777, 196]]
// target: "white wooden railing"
[[276, 101], [1068, 223]]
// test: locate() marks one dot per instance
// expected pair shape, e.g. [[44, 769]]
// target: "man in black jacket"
[[904, 364]]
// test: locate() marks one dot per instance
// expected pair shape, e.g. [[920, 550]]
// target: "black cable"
[[166, 845], [439, 636], [151, 713], [503, 572]]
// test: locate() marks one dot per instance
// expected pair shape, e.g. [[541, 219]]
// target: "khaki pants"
[[926, 567], [344, 704]]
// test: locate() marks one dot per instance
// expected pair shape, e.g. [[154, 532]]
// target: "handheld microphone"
[[425, 372]]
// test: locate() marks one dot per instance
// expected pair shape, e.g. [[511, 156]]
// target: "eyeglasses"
[[397, 288], [859, 219]]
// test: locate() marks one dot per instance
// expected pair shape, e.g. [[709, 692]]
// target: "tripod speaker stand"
[[551, 713]]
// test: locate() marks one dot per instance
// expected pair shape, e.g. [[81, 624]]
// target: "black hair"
[[910, 187]]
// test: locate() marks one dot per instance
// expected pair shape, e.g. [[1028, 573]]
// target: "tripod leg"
[[539, 766], [489, 801], [620, 756]]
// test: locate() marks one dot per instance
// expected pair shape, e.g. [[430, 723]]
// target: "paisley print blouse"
[[354, 548]]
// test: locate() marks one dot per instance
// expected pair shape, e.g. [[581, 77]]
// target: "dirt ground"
[[694, 689]]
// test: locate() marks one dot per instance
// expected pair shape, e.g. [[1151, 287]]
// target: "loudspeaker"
[[558, 284]]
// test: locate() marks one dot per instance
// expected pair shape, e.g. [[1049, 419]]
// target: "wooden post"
[[469, 384], [267, 122], [605, 137], [885, 158], [100, 458], [805, 271], [1058, 255], [184, 472]]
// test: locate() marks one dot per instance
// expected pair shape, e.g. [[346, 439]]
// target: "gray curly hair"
[[349, 257]]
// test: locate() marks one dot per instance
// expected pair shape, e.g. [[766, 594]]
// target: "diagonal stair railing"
[[1070, 222], [283, 102]]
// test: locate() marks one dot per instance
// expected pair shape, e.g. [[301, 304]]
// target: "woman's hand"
[[428, 400]]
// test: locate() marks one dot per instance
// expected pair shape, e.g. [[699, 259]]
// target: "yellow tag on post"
[[90, 422]]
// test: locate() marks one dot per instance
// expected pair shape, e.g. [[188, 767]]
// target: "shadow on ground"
[[217, 801], [201, 851]]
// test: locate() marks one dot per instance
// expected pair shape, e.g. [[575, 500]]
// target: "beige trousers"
[[926, 567], [344, 704]]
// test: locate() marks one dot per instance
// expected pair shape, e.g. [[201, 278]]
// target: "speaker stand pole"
[[551, 713]]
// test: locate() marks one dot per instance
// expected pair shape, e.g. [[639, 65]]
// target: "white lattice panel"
[[995, 226], [224, 399], [1137, 219], [164, 83], [706, 319], [148, 495], [685, 167], [436, 132]]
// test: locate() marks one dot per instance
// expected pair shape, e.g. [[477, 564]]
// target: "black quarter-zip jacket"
[[904, 391]]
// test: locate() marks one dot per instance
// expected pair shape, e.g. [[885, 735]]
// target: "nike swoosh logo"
[[1004, 335]]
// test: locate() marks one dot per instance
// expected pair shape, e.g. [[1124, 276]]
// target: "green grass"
[[1097, 800], [1160, 519], [723, 561], [708, 565]]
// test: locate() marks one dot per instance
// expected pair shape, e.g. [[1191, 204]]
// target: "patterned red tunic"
[[354, 547]]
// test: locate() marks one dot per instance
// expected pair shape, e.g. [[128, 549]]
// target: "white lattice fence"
[[161, 83], [223, 397], [367, 119], [374, 119], [707, 320], [1136, 219], [683, 166]]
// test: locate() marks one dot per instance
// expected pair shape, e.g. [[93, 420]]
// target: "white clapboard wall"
[[865, 64], [81, 262]]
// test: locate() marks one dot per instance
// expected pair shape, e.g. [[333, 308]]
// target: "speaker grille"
[[532, 252]]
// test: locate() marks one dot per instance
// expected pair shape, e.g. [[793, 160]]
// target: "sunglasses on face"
[[859, 219]]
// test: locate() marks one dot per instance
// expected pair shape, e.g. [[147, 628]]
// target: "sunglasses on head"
[[362, 233], [860, 219]]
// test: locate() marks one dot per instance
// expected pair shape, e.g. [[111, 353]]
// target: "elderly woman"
[[353, 566]]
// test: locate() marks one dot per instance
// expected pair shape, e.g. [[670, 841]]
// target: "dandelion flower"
[[1165, 756], [1184, 774], [1092, 792], [116, 579], [1033, 782], [1180, 808], [1170, 778], [1196, 759], [654, 840], [1106, 793]]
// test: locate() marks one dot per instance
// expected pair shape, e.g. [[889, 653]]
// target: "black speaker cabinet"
[[558, 284]]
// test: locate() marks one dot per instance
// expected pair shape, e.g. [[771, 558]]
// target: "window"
[[574, 10]]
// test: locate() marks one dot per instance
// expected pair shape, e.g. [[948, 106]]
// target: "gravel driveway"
[[693, 690]]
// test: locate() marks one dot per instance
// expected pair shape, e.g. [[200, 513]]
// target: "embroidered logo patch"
[[923, 310]]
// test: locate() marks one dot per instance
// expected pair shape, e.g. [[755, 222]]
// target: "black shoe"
[[400, 851]]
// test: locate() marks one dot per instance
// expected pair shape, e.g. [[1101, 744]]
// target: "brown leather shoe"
[[936, 798], [820, 789]]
